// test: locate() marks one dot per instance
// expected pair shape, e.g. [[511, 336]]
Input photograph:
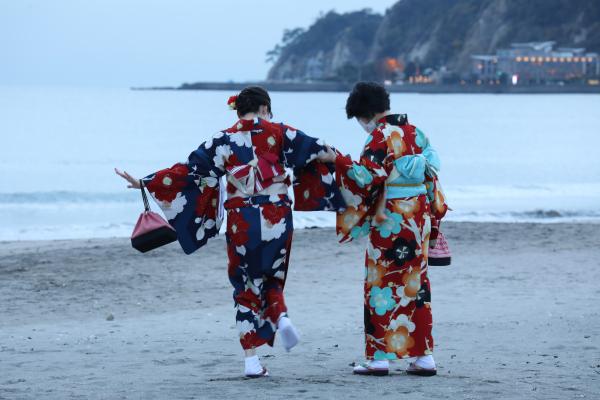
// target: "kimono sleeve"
[[360, 184], [433, 164], [435, 194], [315, 188], [189, 193], [314, 182], [299, 149], [437, 201]]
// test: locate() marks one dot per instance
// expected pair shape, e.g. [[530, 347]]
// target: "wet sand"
[[516, 316]]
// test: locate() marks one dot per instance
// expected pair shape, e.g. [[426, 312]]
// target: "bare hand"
[[133, 182], [328, 156]]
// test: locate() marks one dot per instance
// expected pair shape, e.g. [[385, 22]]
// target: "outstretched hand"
[[133, 182], [328, 156]]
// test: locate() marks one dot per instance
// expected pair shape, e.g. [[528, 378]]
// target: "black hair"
[[250, 99], [366, 100]]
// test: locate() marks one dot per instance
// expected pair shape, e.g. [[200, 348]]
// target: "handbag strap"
[[144, 197]]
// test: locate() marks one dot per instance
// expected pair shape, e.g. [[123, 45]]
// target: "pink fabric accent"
[[147, 222], [441, 249], [240, 171], [266, 169], [268, 166]]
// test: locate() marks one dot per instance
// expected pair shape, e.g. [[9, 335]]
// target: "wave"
[[456, 193], [533, 216], [79, 226], [77, 214]]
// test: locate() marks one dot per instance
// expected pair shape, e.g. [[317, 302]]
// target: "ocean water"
[[505, 158]]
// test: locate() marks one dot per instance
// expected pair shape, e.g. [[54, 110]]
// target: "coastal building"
[[536, 63]]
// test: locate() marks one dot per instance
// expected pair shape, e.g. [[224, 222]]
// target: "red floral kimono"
[[397, 163], [252, 157]]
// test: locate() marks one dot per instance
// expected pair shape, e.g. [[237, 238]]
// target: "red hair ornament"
[[231, 102]]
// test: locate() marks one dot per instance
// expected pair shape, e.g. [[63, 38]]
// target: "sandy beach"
[[515, 317]]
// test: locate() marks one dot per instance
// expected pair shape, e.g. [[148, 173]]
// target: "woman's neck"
[[249, 116]]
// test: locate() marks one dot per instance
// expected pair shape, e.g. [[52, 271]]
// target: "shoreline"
[[591, 221], [393, 88]]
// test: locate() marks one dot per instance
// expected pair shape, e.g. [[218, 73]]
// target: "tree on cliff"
[[332, 43]]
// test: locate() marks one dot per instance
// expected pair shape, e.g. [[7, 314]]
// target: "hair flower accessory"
[[231, 102]]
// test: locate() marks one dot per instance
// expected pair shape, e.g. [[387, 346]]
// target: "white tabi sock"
[[253, 366], [287, 332], [379, 364], [426, 362]]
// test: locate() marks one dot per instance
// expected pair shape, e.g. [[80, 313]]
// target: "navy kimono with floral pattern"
[[252, 157]]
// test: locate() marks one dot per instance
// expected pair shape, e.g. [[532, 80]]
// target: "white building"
[[535, 63]]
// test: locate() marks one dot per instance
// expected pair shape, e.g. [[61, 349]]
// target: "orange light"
[[526, 59], [547, 59], [576, 59], [392, 64], [518, 59]]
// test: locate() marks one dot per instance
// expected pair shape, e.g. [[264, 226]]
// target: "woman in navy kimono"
[[251, 156]]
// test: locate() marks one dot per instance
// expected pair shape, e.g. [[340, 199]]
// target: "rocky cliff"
[[334, 42], [431, 34]]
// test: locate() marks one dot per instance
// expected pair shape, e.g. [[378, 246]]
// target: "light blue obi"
[[408, 176]]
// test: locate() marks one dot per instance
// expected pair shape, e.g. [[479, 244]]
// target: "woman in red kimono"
[[392, 196], [252, 156]]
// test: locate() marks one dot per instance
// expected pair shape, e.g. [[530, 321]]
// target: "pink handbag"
[[440, 254], [151, 230]]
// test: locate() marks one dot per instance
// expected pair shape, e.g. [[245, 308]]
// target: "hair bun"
[[249, 100], [232, 102], [243, 102]]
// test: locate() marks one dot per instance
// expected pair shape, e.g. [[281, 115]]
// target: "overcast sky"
[[148, 42]]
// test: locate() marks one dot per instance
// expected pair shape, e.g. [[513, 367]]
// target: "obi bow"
[[413, 167], [256, 175]]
